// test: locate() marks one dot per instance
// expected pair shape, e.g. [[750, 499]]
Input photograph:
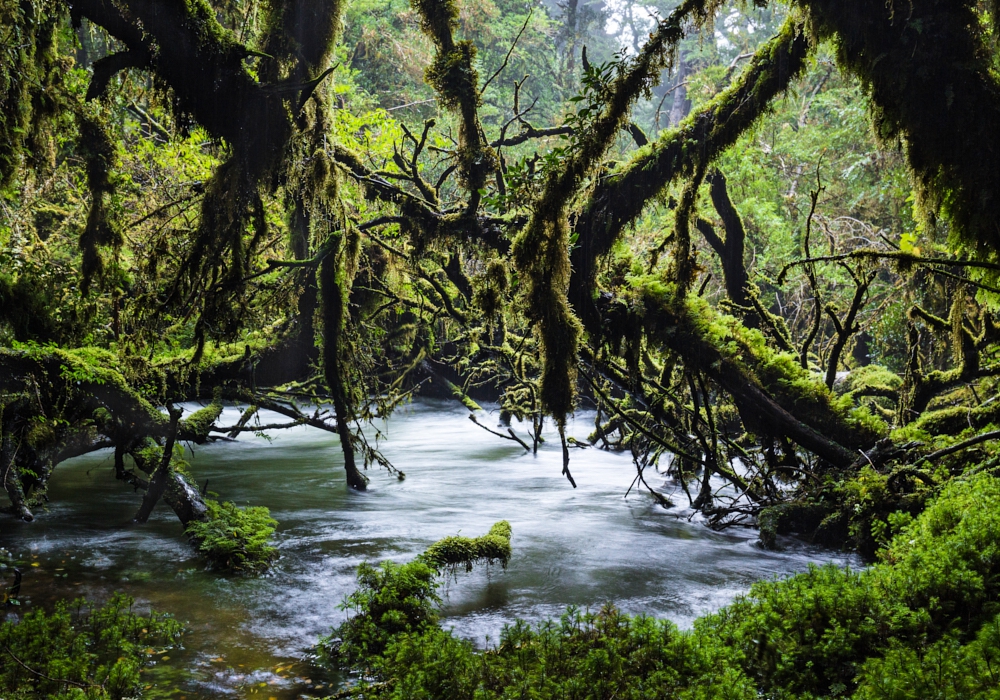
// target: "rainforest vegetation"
[[758, 238]]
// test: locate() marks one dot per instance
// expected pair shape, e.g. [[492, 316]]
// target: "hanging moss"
[[456, 81], [929, 71], [490, 288], [617, 200], [30, 80], [541, 253], [298, 37], [99, 153]]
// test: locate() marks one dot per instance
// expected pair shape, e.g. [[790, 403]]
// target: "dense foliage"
[[394, 599], [758, 238], [235, 539], [80, 650], [739, 238]]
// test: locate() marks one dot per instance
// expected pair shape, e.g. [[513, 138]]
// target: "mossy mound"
[[491, 548]]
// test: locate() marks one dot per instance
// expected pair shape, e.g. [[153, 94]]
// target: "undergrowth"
[[81, 651], [235, 539], [922, 622]]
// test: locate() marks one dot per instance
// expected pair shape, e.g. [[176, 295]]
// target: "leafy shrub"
[[582, 656], [235, 539], [395, 599], [80, 651], [946, 670], [390, 600]]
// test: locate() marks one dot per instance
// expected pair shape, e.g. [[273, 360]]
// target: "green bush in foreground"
[[395, 599], [78, 651], [235, 539], [923, 622]]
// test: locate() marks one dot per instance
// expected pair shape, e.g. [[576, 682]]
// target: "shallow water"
[[248, 637]]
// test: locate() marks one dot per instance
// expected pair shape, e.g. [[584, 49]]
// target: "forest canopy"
[[759, 238]]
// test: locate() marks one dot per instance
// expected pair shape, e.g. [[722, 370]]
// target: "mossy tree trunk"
[[334, 292]]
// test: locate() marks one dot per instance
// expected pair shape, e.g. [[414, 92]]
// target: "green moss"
[[452, 75], [99, 152], [451, 552], [799, 390], [196, 426], [945, 116], [871, 380]]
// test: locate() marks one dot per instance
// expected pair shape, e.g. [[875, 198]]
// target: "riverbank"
[[581, 547]]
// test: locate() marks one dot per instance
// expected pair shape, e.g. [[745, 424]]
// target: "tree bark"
[[11, 478], [730, 251], [158, 481], [334, 301]]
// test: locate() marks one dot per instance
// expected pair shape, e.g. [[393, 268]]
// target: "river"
[[249, 637]]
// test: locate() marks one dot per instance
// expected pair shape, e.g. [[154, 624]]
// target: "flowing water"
[[249, 637]]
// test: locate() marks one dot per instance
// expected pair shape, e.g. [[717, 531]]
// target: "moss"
[[930, 77], [799, 390], [541, 254], [398, 599], [99, 152], [40, 433], [490, 288], [82, 374], [30, 80], [956, 419], [491, 548], [886, 632], [454, 78], [196, 426], [618, 199], [870, 380]]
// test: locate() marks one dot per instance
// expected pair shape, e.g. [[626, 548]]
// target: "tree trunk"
[[158, 482], [11, 478], [334, 301]]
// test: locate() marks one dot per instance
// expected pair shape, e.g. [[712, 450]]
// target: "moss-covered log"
[[455, 551], [773, 398], [619, 198]]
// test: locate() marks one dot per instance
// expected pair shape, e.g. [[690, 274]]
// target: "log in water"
[[247, 637]]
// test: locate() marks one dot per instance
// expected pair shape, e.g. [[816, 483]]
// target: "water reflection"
[[582, 547]]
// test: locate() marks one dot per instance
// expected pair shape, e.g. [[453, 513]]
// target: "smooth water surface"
[[247, 637]]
